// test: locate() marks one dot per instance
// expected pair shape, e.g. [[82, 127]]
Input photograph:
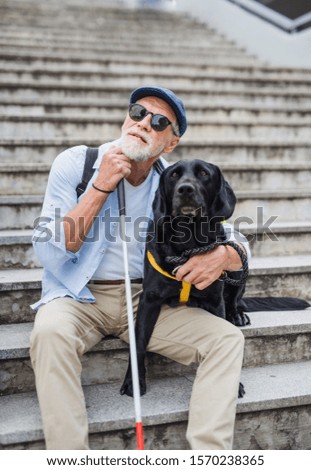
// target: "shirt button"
[[75, 260]]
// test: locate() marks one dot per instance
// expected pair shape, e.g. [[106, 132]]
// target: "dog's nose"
[[186, 189]]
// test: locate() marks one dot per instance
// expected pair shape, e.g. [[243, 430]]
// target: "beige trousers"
[[65, 329]]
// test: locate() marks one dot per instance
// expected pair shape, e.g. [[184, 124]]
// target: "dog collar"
[[186, 286]]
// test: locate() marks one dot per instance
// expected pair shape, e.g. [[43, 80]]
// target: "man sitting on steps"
[[83, 282]]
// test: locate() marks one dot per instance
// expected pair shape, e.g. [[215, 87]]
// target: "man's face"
[[140, 141]]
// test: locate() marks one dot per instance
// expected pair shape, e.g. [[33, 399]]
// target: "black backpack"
[[88, 170]]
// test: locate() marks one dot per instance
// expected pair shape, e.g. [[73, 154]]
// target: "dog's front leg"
[[233, 295], [147, 315]]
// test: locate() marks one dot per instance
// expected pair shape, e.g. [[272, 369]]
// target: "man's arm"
[[78, 221], [64, 223], [204, 269]]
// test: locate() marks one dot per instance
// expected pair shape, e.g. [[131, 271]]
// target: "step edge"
[[153, 420]]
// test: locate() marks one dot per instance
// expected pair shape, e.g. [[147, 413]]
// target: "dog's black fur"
[[192, 200]]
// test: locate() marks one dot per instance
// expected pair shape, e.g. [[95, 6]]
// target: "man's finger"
[[115, 149], [181, 272], [203, 285], [186, 269]]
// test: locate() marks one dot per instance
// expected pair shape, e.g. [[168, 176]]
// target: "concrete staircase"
[[67, 69]]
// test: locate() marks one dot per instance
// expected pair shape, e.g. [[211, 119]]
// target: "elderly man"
[[83, 282]]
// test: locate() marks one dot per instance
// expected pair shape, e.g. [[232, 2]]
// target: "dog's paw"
[[245, 319], [128, 389], [241, 319], [241, 390]]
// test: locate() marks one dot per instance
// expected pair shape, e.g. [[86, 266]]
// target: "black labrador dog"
[[190, 205]]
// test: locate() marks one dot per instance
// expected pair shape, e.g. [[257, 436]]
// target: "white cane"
[[130, 316]]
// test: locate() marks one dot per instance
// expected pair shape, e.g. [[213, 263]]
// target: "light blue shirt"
[[66, 273], [136, 225]]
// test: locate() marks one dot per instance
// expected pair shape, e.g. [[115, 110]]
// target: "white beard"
[[136, 150]]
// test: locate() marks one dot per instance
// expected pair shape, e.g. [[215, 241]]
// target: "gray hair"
[[175, 128]]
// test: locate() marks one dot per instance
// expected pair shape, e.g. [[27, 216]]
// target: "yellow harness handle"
[[186, 286]]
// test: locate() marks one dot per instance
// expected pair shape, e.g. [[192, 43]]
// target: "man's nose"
[[146, 122]]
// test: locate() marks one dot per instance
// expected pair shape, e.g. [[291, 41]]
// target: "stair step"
[[275, 264], [41, 58], [14, 209], [116, 47], [240, 93], [253, 78], [107, 11], [123, 87], [173, 78], [51, 40], [21, 212], [50, 37], [270, 276], [277, 239], [107, 18], [110, 107], [197, 122], [31, 178], [16, 250], [243, 150], [93, 18], [243, 65], [290, 238], [273, 337], [214, 52], [157, 68], [281, 390], [264, 177], [58, 126], [57, 91], [28, 178], [14, 338], [186, 34], [284, 205]]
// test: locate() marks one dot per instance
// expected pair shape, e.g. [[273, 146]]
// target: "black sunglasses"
[[159, 123]]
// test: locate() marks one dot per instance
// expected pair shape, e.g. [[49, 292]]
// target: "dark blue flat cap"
[[167, 95]]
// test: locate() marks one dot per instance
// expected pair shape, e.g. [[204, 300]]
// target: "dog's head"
[[194, 189]]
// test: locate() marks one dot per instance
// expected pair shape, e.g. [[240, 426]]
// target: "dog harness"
[[185, 286]]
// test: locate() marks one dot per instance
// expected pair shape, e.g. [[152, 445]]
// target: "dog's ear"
[[160, 200], [224, 202]]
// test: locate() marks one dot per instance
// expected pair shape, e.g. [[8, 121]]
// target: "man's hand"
[[204, 269], [78, 221], [114, 166]]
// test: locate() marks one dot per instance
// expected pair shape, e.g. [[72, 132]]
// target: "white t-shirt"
[[136, 200]]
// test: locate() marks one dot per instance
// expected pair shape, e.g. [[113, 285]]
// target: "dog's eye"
[[203, 173], [174, 174]]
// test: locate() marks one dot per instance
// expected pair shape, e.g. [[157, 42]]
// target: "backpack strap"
[[88, 170], [158, 165]]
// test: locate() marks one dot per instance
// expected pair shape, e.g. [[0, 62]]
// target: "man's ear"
[[170, 147], [224, 202]]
